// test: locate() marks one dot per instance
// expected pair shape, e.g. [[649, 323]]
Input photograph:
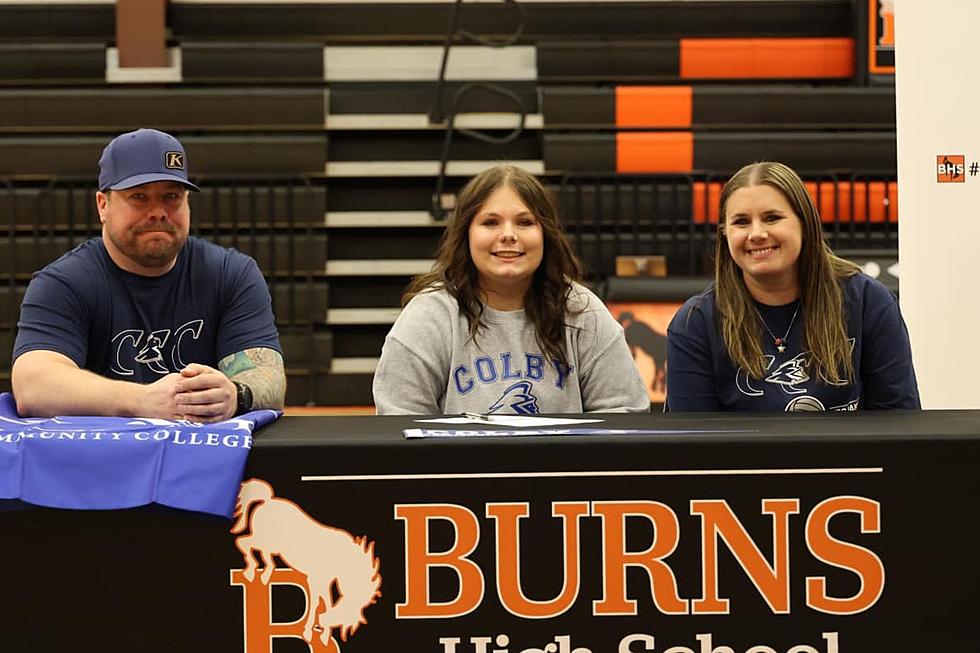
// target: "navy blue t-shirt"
[[702, 377], [213, 303]]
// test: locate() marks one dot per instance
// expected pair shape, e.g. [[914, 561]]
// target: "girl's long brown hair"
[[546, 300], [820, 275]]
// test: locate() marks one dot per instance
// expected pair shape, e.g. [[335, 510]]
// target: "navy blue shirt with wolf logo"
[[702, 377], [213, 303]]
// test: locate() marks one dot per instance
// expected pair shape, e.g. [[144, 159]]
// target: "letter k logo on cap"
[[175, 160]]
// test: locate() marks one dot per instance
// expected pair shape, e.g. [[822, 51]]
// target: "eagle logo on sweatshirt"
[[518, 398]]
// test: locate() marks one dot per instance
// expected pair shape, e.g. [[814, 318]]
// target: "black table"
[[818, 532]]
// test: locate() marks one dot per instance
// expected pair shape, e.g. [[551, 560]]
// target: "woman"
[[501, 324], [787, 326]]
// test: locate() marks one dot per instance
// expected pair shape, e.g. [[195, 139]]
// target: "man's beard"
[[156, 253]]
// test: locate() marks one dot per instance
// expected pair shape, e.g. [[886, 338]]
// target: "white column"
[[937, 49]]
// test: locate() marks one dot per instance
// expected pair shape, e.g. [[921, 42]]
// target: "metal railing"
[[437, 114]]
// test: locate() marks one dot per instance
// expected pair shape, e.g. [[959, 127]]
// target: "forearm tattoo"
[[261, 369]]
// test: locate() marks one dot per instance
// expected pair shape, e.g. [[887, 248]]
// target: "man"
[[146, 321]]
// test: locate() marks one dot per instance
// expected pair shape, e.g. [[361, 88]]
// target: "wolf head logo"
[[517, 397], [792, 373]]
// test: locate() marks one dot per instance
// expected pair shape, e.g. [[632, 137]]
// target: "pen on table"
[[481, 417]]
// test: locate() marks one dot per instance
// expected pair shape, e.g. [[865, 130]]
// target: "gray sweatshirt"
[[429, 365]]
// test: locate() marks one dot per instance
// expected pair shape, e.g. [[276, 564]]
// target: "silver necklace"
[[780, 342]]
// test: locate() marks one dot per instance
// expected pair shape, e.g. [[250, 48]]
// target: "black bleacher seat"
[[361, 194], [306, 348], [654, 289], [260, 62], [35, 209], [343, 389], [779, 107], [640, 202], [686, 252], [120, 109], [27, 254], [261, 203], [10, 298], [393, 243], [799, 150], [307, 353], [280, 255], [361, 340], [417, 97], [298, 302], [426, 22], [726, 151], [24, 64], [713, 106], [626, 61], [277, 255], [425, 146], [40, 22], [370, 292], [257, 154]]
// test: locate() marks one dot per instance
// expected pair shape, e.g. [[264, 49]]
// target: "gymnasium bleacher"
[[308, 127]]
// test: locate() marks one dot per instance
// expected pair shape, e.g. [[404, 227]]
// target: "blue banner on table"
[[102, 463]]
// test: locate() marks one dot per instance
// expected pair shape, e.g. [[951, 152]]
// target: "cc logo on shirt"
[[154, 349]]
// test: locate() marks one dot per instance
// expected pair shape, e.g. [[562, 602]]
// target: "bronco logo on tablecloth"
[[319, 557]]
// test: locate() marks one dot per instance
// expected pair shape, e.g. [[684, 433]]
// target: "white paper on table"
[[497, 431], [519, 421]]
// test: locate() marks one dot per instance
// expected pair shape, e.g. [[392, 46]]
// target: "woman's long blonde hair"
[[820, 274]]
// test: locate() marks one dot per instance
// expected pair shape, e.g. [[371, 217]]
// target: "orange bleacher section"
[[836, 201]]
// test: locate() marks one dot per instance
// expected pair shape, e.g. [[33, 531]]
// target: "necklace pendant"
[[781, 348]]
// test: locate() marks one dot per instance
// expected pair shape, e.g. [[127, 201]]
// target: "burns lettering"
[[720, 526]]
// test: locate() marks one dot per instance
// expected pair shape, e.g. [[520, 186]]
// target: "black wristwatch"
[[244, 398]]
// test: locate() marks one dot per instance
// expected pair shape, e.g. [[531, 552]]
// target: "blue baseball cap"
[[142, 157]]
